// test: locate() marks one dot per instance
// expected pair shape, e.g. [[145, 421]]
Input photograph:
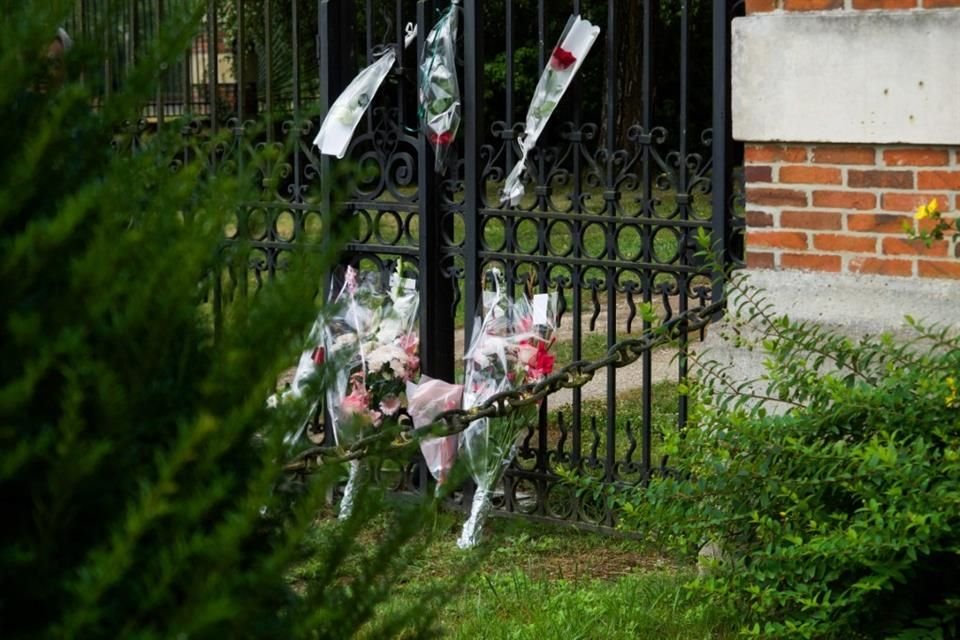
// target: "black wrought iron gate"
[[636, 160], [609, 218]]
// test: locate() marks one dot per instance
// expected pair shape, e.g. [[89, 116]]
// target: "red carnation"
[[441, 139], [542, 364], [562, 59], [318, 356]]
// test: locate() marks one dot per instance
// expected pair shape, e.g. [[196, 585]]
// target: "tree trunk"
[[628, 45]]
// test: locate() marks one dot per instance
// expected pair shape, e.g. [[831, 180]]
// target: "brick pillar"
[[830, 190], [842, 208]]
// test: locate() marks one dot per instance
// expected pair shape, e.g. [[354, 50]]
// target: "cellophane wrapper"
[[439, 91], [509, 348], [425, 402], [565, 60], [345, 114], [369, 340]]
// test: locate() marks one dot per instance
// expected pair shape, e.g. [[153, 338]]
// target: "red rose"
[[318, 356], [441, 139], [562, 59]]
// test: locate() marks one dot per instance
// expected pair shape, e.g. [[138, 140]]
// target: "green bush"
[[140, 474], [831, 487]]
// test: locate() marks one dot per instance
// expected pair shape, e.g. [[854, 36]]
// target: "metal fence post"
[[436, 290], [722, 141], [472, 178]]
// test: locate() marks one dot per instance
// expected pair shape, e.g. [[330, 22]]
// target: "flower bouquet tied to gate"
[[370, 344], [340, 123], [510, 348], [439, 91], [345, 114], [373, 342], [565, 60]]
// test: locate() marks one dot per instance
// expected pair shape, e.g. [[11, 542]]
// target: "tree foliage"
[[139, 470]]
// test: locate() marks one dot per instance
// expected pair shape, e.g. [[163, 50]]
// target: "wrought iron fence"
[[637, 160]]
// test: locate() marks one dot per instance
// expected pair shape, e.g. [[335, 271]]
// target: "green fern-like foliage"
[[829, 488], [140, 474]]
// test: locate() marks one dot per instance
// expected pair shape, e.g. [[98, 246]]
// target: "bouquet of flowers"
[[439, 87], [373, 340], [510, 348], [371, 343], [426, 401], [575, 43]]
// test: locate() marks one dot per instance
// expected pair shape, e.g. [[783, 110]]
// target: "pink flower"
[[562, 59], [358, 400], [524, 324], [390, 405], [319, 355], [350, 279], [413, 365], [354, 404], [410, 343]]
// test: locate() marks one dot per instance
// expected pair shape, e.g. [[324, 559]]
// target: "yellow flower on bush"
[[953, 398], [926, 211]]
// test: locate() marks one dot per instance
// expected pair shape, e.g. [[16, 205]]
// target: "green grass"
[[629, 405], [540, 581]]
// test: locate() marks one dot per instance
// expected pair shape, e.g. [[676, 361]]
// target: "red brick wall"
[[764, 6], [841, 208]]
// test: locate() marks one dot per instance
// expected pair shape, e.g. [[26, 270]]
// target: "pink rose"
[[524, 324], [350, 279]]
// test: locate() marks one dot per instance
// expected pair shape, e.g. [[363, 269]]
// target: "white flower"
[[526, 353], [387, 354], [390, 330], [343, 341]]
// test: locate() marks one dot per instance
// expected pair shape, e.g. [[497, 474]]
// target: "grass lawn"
[[540, 582]]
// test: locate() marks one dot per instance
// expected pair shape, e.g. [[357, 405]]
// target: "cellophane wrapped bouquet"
[[372, 341], [567, 57], [439, 88], [510, 347]]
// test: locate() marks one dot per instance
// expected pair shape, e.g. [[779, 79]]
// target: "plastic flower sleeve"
[[508, 349], [373, 341], [567, 57], [341, 121], [426, 401], [439, 88]]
